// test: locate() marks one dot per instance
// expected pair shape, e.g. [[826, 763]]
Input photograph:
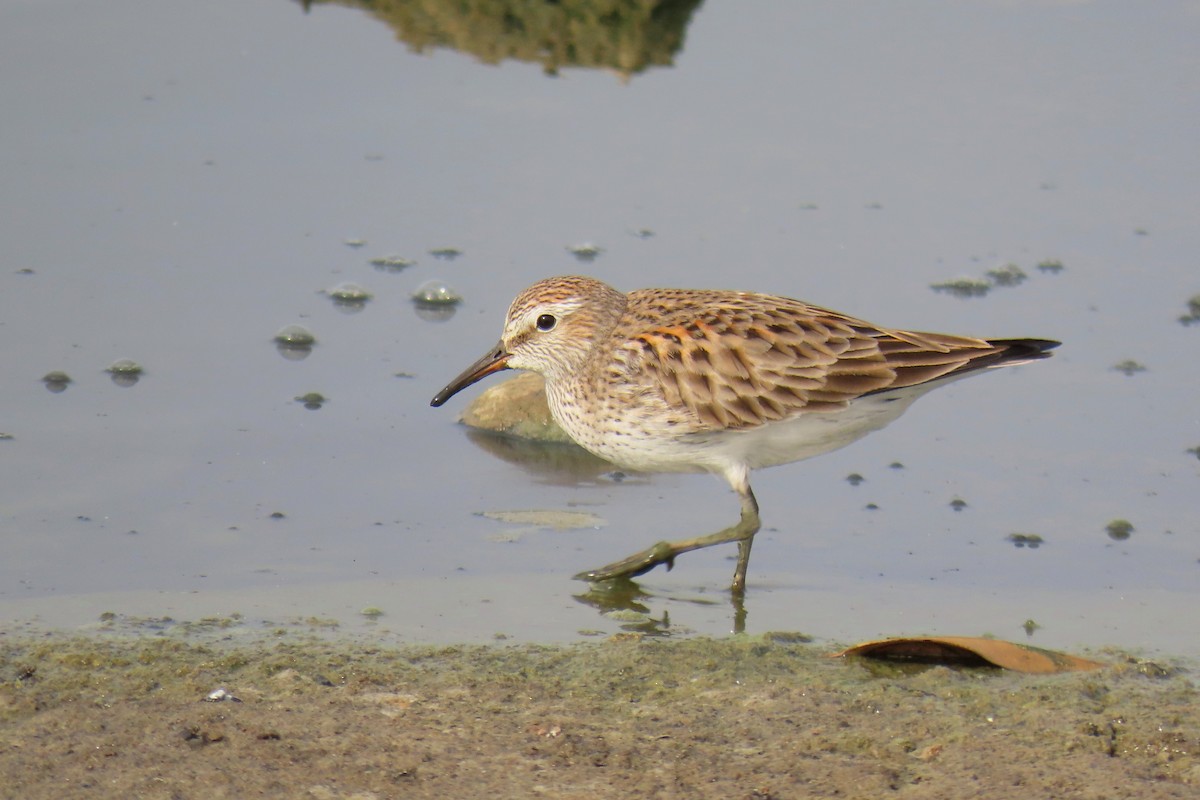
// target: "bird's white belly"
[[806, 435], [649, 449]]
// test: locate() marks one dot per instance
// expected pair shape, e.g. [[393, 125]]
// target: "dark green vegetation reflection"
[[627, 36]]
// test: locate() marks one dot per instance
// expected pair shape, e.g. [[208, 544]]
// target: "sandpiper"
[[691, 380]]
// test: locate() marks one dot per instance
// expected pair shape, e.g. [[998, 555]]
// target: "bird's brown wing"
[[739, 360]]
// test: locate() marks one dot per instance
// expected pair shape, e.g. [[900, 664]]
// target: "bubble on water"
[[436, 293], [436, 301], [295, 335], [349, 291], [125, 366], [349, 296], [125, 372]]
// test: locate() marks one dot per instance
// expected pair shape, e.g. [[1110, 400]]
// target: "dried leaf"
[[971, 650]]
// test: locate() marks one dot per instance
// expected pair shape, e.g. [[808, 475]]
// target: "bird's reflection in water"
[[553, 463], [624, 601], [621, 600], [564, 464]]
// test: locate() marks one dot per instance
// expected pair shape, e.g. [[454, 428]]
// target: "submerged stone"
[[517, 407]]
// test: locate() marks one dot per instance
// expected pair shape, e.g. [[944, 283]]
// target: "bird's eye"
[[546, 322]]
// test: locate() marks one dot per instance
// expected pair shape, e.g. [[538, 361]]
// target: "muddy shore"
[[765, 717]]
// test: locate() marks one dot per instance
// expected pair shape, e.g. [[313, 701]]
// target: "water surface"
[[181, 180]]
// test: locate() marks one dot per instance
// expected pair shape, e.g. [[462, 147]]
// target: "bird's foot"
[[634, 565]]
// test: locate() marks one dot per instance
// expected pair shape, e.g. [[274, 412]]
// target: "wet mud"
[[300, 715]]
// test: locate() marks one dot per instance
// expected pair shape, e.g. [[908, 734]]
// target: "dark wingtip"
[[1026, 349], [1014, 352]]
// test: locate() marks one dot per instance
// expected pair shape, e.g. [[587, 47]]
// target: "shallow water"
[[183, 180]]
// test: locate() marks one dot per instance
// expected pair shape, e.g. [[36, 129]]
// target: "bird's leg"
[[751, 522], [665, 552]]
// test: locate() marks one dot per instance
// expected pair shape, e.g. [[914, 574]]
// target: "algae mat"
[[767, 717]]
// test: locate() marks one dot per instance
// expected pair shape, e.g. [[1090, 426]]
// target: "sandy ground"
[[121, 716]]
